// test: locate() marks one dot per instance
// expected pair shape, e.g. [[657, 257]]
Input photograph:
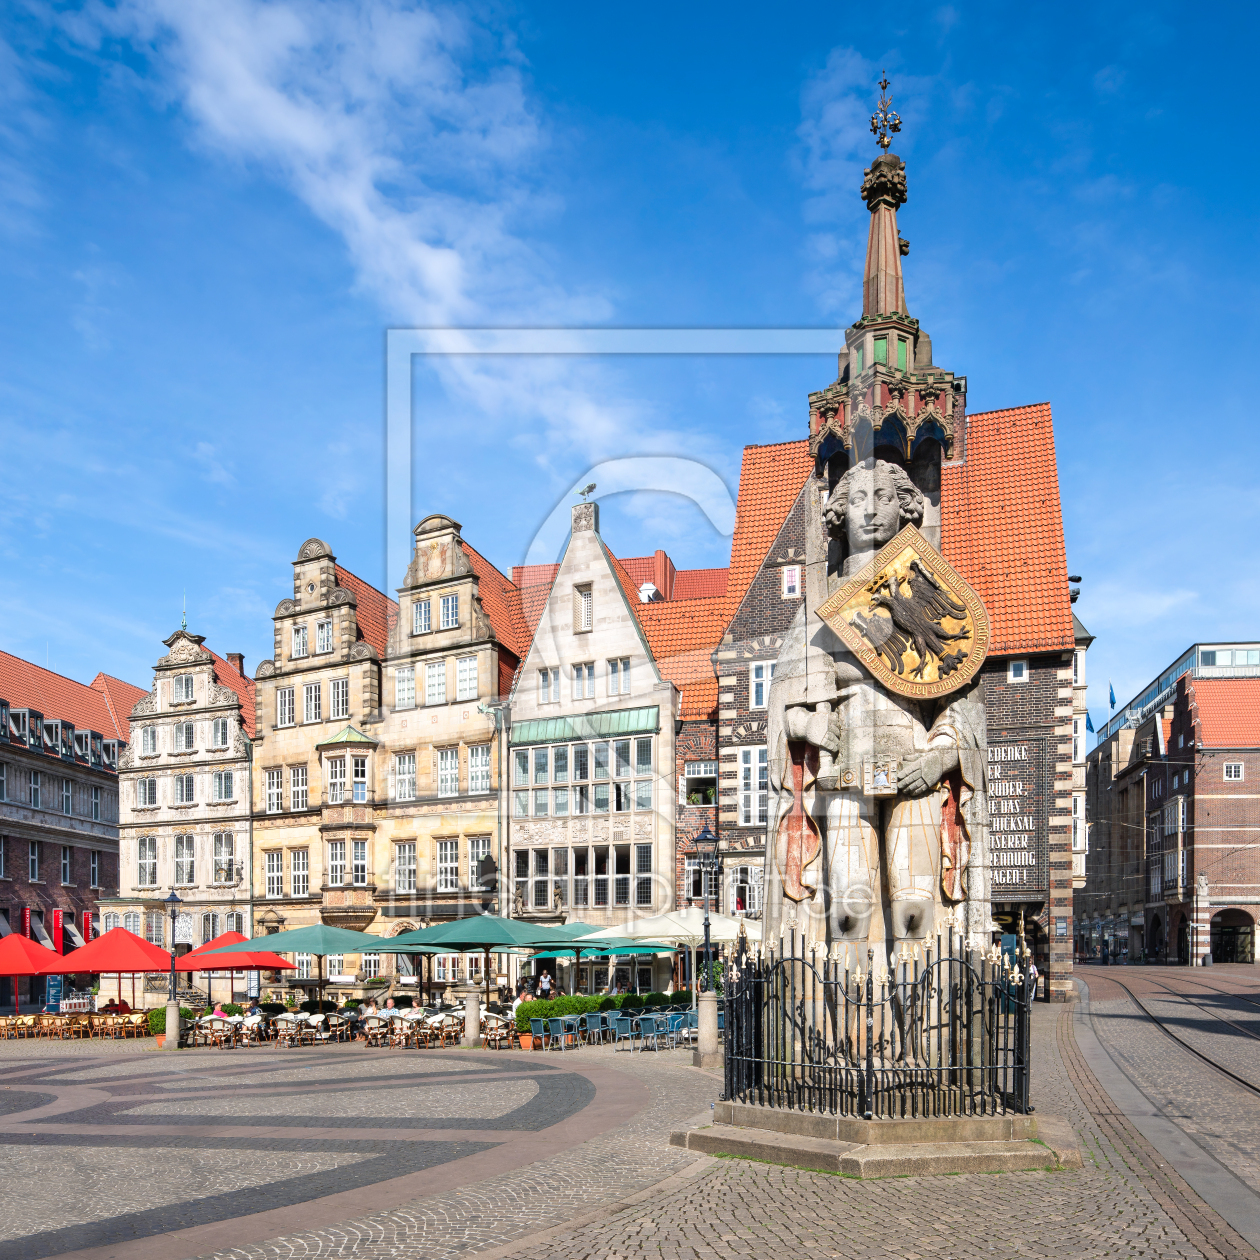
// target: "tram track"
[[1185, 1045]]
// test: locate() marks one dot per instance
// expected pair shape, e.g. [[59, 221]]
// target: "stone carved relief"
[[266, 669], [314, 549], [285, 607], [148, 705], [340, 595], [363, 651]]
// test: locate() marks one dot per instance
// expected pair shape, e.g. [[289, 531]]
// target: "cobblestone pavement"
[[619, 1191]]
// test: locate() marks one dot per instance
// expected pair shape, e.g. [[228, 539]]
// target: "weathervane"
[[884, 120], [588, 491]]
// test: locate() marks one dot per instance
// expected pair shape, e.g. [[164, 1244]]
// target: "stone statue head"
[[870, 503]]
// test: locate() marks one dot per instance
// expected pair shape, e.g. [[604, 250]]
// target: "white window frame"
[[185, 789], [448, 865], [583, 609], [336, 863], [94, 867], [760, 676], [148, 741], [1234, 772], [405, 867], [1078, 740], [339, 698], [405, 687], [146, 792], [184, 737], [1017, 671], [275, 791], [1079, 830], [754, 785], [223, 786], [220, 736], [790, 582], [584, 681], [223, 854], [285, 709], [275, 873], [299, 788], [548, 686], [447, 771], [182, 690], [405, 776], [66, 865], [146, 862], [435, 682], [619, 676], [358, 779], [312, 702], [299, 644], [336, 780], [358, 863], [67, 797], [422, 617], [450, 612], [323, 637], [478, 849], [185, 860], [36, 790], [478, 769], [300, 872], [466, 678]]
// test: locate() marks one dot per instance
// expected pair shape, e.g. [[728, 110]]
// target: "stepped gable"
[[1226, 710], [101, 707], [1002, 528]]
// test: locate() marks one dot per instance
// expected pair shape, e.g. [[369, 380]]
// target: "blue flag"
[[1113, 693], [1089, 721]]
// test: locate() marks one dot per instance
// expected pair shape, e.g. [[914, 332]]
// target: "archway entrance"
[[1233, 937]]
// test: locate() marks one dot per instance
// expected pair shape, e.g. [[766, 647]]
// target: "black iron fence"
[[935, 1030]]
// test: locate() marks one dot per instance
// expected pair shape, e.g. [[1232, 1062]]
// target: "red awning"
[[21, 956], [117, 951], [258, 961]]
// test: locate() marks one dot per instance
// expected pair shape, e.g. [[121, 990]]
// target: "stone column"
[[172, 1026], [707, 1054], [472, 1017]]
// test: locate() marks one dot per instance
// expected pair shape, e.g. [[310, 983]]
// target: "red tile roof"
[[700, 583], [534, 582], [376, 613], [769, 481], [682, 635], [102, 708], [1228, 711], [227, 676], [502, 601], [1002, 528], [120, 698]]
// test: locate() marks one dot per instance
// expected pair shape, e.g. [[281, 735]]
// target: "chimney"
[[237, 662]]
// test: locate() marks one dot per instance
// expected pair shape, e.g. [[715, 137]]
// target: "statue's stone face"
[[874, 511]]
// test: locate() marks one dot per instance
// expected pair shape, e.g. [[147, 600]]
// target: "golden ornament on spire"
[[884, 121]]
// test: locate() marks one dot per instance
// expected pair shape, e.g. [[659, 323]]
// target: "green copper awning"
[[561, 730], [348, 736]]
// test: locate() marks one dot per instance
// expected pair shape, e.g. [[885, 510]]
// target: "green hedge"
[[578, 1005], [157, 1019]]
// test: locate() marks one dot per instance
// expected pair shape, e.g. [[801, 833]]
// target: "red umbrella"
[[21, 956], [117, 951], [259, 960]]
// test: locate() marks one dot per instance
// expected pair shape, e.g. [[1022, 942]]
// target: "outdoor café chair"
[[220, 1032], [594, 1024], [137, 1024], [338, 1027], [623, 1029], [287, 1029], [375, 1030], [541, 1033]]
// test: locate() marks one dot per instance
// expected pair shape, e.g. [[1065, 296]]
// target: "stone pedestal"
[[172, 1027], [707, 1053], [471, 997]]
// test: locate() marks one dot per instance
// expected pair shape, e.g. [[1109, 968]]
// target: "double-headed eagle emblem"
[[911, 619]]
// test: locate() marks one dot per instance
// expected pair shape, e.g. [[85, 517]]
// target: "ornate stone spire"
[[883, 190]]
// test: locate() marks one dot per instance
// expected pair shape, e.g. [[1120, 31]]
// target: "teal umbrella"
[[318, 939]]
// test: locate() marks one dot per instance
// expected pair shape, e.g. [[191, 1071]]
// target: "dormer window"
[[421, 617], [181, 688], [299, 642], [450, 612], [323, 636]]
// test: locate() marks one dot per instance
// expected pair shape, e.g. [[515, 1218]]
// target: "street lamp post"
[[172, 997], [706, 845]]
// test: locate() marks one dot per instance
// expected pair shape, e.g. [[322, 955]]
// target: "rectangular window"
[[146, 862], [303, 962], [323, 636], [421, 617], [584, 681], [404, 776], [479, 768], [284, 706], [1017, 671], [1078, 824], [643, 794], [148, 741], [561, 802], [601, 798], [902, 354], [540, 802], [4, 782], [1078, 668], [94, 868], [621, 759], [336, 780], [275, 791], [581, 763], [520, 804], [540, 765], [209, 927], [297, 788], [643, 756], [299, 872], [223, 785], [276, 873], [35, 790], [466, 678], [154, 928], [759, 678], [548, 686], [601, 761], [621, 798], [224, 852], [754, 784], [700, 880], [1233, 772], [336, 863], [791, 581], [299, 641], [1078, 742], [448, 865], [621, 888], [642, 874], [312, 703], [619, 676], [358, 869], [583, 609], [435, 683], [450, 612], [67, 797], [181, 688], [478, 851], [881, 349], [405, 867], [522, 767], [371, 966], [405, 687], [185, 789], [559, 879], [339, 698], [185, 872], [581, 878], [582, 798], [560, 764], [542, 874], [185, 737], [359, 782], [219, 733], [448, 771], [65, 863]]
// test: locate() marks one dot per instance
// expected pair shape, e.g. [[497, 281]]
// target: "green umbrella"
[[482, 932]]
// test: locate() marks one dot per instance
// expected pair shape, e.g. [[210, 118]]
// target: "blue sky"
[[210, 213]]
